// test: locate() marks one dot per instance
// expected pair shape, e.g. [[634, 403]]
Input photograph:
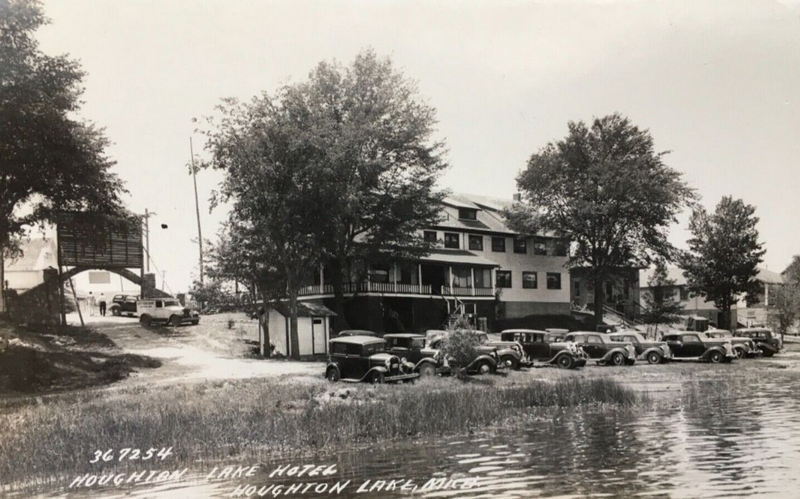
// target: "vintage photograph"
[[386, 248]]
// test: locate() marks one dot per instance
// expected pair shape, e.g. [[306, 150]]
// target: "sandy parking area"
[[206, 352]]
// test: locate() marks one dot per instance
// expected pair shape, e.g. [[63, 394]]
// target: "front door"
[[692, 345], [435, 276]]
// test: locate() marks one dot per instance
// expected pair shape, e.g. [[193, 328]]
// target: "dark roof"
[[304, 309], [446, 255], [357, 340], [357, 332], [523, 331]]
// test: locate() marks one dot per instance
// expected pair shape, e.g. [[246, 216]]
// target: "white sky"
[[717, 83]]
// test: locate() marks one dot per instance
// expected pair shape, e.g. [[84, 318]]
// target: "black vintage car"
[[765, 339], [123, 304], [690, 345], [537, 349], [743, 347], [364, 358], [654, 352], [412, 347], [600, 347]]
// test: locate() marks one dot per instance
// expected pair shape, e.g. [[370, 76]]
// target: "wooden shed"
[[313, 328]]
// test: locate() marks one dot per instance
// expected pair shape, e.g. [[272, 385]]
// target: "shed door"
[[318, 333]]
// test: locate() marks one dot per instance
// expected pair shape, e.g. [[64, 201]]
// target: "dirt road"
[[190, 354]]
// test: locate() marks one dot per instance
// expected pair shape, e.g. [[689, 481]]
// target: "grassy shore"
[[257, 419]]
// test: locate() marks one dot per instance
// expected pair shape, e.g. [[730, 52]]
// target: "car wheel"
[[510, 362], [194, 323], [175, 321], [715, 357], [739, 353], [484, 368], [768, 354], [115, 311], [617, 359], [145, 320], [565, 362], [376, 378], [332, 374], [654, 358], [427, 370]]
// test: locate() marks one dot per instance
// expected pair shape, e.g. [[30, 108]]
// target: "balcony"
[[350, 288]]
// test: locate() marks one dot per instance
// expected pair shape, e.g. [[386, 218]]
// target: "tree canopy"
[[50, 160], [606, 188], [724, 253]]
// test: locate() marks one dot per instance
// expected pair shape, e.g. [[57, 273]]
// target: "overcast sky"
[[716, 83]]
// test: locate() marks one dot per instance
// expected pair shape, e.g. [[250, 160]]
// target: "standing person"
[[92, 304], [102, 305]]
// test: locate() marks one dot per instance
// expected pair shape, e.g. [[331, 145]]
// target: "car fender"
[[611, 352], [333, 365], [481, 358], [647, 351], [426, 360], [379, 369], [560, 353], [714, 348]]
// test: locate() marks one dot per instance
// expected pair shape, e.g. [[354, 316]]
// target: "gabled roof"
[[304, 309], [37, 254], [490, 214]]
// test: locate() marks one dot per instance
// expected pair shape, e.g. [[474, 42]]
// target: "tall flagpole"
[[197, 210]]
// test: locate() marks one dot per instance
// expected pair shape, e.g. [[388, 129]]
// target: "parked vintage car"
[[364, 358], [687, 345], [413, 348], [654, 352], [537, 349], [123, 304], [165, 311], [356, 332], [743, 347], [486, 362], [600, 347], [765, 339]]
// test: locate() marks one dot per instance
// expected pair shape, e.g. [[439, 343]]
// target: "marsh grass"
[[257, 420]]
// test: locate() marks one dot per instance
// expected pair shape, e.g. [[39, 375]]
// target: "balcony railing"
[[464, 291], [368, 287]]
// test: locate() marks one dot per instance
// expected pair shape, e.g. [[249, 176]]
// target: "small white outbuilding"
[[313, 328]]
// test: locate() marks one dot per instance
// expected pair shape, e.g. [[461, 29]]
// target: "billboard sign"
[[86, 242]]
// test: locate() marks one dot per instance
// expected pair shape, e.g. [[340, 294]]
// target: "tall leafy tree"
[[272, 180], [606, 188], [724, 254], [50, 160], [379, 167]]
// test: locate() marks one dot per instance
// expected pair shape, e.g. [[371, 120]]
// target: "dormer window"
[[467, 214]]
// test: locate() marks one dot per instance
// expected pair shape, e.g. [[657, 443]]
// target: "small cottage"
[[313, 328]]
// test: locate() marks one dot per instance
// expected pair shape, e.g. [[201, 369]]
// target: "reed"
[[258, 419]]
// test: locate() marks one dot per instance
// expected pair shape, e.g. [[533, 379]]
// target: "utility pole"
[[197, 209], [147, 240]]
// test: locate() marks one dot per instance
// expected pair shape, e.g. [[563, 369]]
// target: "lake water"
[[741, 443]]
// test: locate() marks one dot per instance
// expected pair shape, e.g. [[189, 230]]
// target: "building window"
[[379, 274], [462, 277], [409, 274], [451, 240], [560, 247], [483, 278], [520, 245], [609, 289], [539, 247], [503, 278], [430, 236], [576, 285], [467, 214], [529, 280], [553, 280], [499, 244], [476, 243], [684, 293]]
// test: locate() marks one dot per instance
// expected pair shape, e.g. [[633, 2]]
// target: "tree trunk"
[[599, 300], [264, 321], [3, 308], [337, 280], [294, 339], [725, 316]]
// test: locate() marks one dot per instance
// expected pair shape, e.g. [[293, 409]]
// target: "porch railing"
[[464, 291], [368, 287]]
